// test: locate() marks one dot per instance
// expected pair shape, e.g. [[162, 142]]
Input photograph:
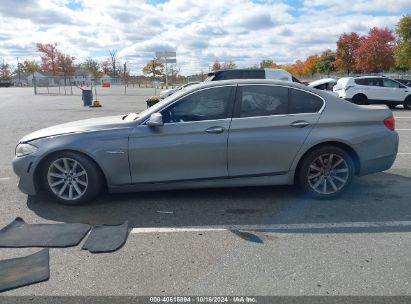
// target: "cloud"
[[201, 31]]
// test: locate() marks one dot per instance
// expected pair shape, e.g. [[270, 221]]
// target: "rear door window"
[[303, 102], [260, 100]]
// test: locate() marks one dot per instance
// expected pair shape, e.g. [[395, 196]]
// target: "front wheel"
[[326, 172], [71, 178]]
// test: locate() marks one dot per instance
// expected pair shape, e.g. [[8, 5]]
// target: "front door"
[[192, 143]]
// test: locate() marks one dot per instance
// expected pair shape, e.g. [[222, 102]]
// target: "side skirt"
[[267, 180]]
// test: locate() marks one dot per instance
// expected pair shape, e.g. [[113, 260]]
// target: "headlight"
[[25, 149]]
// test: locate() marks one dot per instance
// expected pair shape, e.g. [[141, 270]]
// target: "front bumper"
[[24, 168]]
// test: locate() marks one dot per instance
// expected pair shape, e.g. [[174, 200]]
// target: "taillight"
[[389, 122], [348, 87]]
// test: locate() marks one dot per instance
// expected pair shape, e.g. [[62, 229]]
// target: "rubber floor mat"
[[105, 238], [24, 271], [19, 234]]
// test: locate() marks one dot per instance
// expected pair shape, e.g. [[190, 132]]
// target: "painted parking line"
[[274, 227], [403, 153], [402, 129], [6, 178]]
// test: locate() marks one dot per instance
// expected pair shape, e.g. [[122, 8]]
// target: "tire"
[[311, 176], [77, 174], [391, 106], [360, 99], [407, 103]]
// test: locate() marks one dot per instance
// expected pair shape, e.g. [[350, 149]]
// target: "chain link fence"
[[56, 85]]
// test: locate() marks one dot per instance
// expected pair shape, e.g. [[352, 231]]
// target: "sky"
[[200, 31]]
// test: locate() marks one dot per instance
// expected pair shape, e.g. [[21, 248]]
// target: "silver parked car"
[[216, 134]]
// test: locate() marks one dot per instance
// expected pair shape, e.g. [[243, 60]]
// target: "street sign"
[[167, 60], [166, 57], [166, 54]]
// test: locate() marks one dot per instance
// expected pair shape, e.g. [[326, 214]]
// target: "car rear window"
[[303, 102]]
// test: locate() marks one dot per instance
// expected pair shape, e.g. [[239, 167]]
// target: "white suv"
[[373, 90]]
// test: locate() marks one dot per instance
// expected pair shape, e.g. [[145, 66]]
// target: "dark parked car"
[[5, 83], [273, 74]]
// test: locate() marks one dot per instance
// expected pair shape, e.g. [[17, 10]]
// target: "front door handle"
[[300, 124], [215, 130]]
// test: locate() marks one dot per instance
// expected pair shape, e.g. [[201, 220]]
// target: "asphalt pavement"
[[235, 241]]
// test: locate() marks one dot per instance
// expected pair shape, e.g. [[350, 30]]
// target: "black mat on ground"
[[105, 238], [19, 234], [24, 271]]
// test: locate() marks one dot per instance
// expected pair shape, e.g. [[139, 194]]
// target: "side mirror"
[[155, 120]]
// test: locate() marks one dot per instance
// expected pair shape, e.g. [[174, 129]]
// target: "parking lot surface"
[[242, 241]]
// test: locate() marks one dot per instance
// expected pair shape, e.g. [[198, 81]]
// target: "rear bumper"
[[372, 162]]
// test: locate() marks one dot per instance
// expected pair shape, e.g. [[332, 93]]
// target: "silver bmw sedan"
[[217, 134]]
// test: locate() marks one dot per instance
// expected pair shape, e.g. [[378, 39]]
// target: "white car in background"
[[169, 92], [325, 84], [374, 90]]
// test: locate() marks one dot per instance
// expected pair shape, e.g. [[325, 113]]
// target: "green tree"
[[402, 50], [266, 63], [93, 67], [326, 62]]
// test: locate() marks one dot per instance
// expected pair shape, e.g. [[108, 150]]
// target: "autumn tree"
[[297, 68], [375, 51], [326, 62], [347, 44], [216, 66], [228, 65], [266, 63], [66, 66], [402, 50], [106, 67], [49, 57], [93, 67], [28, 67], [153, 68], [310, 65]]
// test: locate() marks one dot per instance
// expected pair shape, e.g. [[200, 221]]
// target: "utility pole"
[[124, 78], [18, 70]]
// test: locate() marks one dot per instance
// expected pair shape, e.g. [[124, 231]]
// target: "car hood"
[[93, 124]]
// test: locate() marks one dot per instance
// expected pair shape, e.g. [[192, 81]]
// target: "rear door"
[[269, 126]]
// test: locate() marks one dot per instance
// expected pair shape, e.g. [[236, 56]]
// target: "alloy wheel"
[[328, 173], [67, 178]]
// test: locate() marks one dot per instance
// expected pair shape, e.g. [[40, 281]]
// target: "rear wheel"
[[360, 99], [71, 178], [326, 172], [407, 103]]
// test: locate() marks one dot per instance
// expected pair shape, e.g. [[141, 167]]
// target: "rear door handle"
[[215, 130], [300, 124]]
